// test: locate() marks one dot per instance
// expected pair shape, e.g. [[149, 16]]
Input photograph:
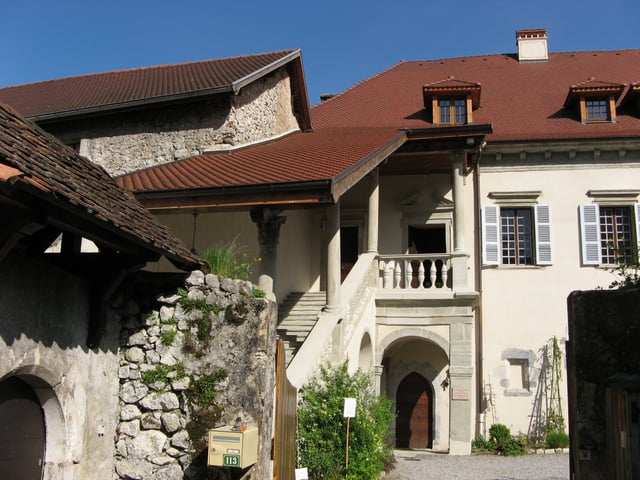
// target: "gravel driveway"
[[416, 465]]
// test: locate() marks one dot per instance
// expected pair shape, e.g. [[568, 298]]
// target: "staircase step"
[[298, 314]]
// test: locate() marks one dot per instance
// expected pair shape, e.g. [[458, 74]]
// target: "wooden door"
[[414, 413], [22, 431]]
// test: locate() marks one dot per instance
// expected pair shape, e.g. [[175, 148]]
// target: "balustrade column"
[[333, 259]]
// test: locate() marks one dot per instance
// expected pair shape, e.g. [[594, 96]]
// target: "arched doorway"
[[22, 431], [414, 406]]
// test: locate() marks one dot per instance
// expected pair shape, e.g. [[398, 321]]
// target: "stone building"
[[59, 328], [427, 223]]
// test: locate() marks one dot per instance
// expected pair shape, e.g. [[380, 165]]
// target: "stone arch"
[[414, 332], [42, 381]]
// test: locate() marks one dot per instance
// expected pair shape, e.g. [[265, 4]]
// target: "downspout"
[[480, 405]]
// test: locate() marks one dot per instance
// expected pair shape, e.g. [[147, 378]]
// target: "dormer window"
[[451, 102], [453, 111], [594, 100], [597, 109]]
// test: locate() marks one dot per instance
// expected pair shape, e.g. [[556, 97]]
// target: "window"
[[453, 110], [597, 110], [516, 235], [607, 233]]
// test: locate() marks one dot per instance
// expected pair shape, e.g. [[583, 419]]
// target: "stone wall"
[[138, 139], [169, 362]]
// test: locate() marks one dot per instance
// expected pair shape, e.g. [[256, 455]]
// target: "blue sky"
[[342, 42]]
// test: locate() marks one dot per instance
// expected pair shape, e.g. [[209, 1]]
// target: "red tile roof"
[[33, 159], [523, 102], [73, 95], [299, 157]]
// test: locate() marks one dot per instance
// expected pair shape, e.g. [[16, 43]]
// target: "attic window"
[[595, 100], [451, 102]]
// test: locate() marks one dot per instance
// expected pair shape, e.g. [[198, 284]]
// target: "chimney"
[[532, 45]]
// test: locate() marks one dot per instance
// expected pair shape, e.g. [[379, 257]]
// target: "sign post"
[[349, 413]]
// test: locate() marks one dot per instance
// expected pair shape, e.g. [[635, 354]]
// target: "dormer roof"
[[451, 86], [593, 87]]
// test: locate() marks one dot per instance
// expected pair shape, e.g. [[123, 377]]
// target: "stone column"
[[268, 222], [458, 200], [377, 378], [374, 212], [460, 281], [461, 388], [333, 259]]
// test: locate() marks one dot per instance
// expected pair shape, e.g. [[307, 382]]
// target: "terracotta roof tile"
[[523, 101], [28, 154], [299, 157], [110, 89]]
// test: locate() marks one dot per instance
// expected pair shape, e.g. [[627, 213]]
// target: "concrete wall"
[[43, 332]]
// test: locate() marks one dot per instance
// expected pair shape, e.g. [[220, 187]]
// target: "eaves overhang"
[[299, 194]]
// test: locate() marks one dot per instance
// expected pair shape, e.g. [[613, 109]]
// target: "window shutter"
[[590, 235], [544, 253], [491, 235]]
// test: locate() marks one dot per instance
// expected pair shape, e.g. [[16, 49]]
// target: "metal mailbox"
[[232, 448]]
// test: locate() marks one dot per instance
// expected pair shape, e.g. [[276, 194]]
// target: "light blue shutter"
[[590, 234], [544, 253], [491, 235]]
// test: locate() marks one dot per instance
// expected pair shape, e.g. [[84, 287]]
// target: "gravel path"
[[414, 465]]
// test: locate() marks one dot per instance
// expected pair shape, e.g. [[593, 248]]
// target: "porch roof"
[[44, 186]]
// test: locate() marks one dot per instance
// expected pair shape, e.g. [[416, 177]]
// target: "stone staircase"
[[297, 315]]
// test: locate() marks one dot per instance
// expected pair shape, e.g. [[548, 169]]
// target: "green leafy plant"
[[205, 412], [322, 427], [628, 269], [167, 337], [161, 373]]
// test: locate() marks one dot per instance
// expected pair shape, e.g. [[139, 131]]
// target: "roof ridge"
[[148, 68]]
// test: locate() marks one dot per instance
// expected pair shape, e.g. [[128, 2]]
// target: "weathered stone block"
[[129, 412], [131, 392], [164, 401]]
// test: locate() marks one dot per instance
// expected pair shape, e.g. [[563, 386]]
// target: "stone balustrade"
[[418, 271]]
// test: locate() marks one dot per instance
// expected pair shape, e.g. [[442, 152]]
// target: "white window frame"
[[542, 232], [591, 253]]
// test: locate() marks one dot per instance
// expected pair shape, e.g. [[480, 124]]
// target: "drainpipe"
[[480, 417]]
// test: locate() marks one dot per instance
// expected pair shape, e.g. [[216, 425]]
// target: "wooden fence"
[[284, 437]]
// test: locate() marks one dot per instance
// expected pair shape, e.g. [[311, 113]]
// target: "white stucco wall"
[[523, 307]]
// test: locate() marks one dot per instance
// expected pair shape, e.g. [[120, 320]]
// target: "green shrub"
[[322, 427], [557, 439], [505, 443]]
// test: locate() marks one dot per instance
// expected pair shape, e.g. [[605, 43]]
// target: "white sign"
[[349, 408], [302, 474]]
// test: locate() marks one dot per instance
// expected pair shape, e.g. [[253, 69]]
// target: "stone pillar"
[[333, 259], [458, 200], [374, 212], [377, 378], [461, 388], [459, 263], [268, 222]]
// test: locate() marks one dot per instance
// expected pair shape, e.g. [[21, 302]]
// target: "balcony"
[[441, 275]]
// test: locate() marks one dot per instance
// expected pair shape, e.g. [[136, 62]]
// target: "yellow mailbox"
[[231, 448]]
